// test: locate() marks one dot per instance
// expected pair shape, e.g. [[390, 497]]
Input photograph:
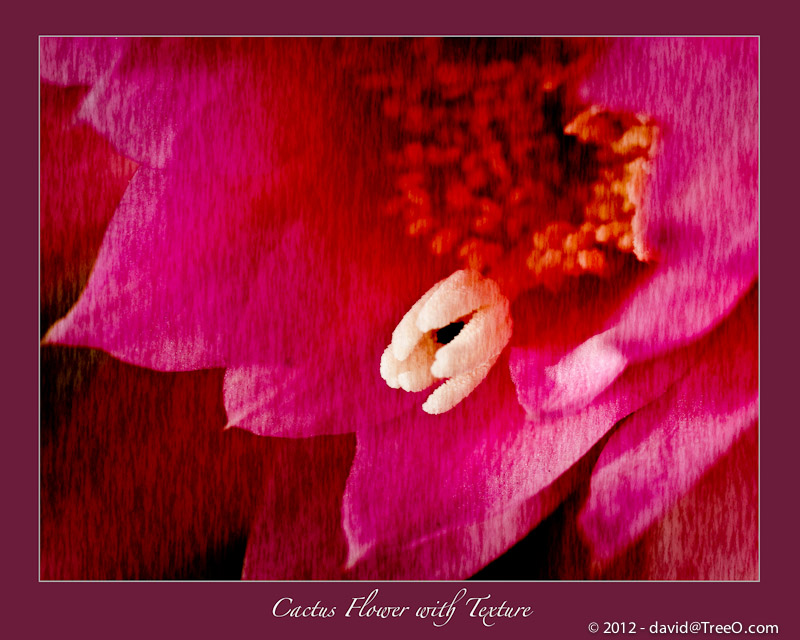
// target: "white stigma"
[[415, 359]]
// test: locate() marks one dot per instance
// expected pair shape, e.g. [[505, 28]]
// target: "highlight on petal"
[[581, 375], [264, 400]]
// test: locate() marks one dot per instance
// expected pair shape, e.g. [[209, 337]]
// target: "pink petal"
[[582, 375], [245, 251], [699, 214], [167, 293], [149, 301], [158, 92], [306, 400], [701, 210], [481, 463], [227, 104], [456, 553], [78, 61], [82, 181], [561, 359], [712, 532], [661, 451], [176, 285]]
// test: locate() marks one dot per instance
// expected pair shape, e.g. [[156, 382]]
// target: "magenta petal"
[[166, 291], [309, 400], [265, 399], [194, 272], [672, 308], [135, 305], [149, 100], [570, 383], [82, 181], [78, 61], [699, 214], [208, 101], [661, 451], [420, 475], [682, 303], [222, 104], [712, 532], [481, 463], [457, 553]]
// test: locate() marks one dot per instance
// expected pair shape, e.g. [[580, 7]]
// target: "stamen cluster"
[[487, 172]]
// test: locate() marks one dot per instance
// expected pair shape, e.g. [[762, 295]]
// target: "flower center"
[[488, 173]]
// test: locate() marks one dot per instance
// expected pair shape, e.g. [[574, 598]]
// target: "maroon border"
[[562, 610]]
